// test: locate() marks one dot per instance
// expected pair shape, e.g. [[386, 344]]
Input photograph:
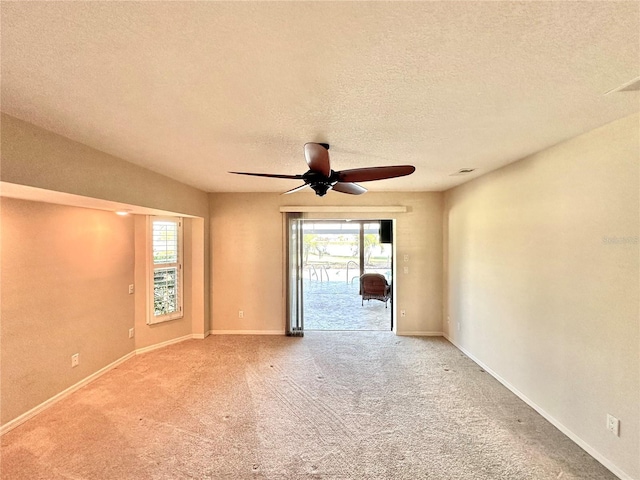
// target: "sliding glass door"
[[324, 262]]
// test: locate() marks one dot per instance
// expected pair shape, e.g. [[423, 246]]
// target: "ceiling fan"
[[321, 178]]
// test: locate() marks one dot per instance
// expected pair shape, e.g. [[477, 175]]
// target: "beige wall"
[[39, 158], [541, 261], [65, 276], [247, 248]]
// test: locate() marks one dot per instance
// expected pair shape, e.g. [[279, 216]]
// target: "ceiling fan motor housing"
[[320, 183]]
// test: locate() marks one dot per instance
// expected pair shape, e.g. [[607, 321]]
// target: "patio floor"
[[335, 304]]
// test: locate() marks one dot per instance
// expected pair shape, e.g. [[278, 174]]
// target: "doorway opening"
[[333, 256]]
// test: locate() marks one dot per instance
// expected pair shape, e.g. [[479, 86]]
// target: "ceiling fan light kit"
[[321, 178]]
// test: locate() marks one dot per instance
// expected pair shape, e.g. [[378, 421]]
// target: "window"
[[166, 274]]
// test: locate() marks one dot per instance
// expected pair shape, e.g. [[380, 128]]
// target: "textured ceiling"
[[194, 89]]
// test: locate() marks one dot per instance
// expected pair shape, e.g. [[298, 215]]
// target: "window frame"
[[152, 318]]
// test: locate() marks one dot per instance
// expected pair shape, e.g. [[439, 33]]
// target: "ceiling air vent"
[[463, 171], [632, 86]]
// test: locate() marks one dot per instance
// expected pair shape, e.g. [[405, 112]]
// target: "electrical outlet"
[[458, 325], [448, 319], [75, 360], [131, 332], [130, 289], [240, 314], [613, 425], [406, 258], [406, 269], [403, 313]]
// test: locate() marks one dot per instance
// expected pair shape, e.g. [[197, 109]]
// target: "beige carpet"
[[329, 405]]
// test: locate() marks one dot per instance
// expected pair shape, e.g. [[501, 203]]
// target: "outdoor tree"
[[314, 243], [371, 244]]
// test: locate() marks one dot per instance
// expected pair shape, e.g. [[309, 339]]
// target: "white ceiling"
[[194, 89]]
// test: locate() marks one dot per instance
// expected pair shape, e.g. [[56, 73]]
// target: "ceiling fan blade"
[[293, 190], [272, 175], [317, 157], [350, 188], [374, 173]]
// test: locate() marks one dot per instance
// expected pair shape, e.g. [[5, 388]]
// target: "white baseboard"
[[246, 332], [165, 344], [575, 438], [65, 393], [85, 381], [419, 333]]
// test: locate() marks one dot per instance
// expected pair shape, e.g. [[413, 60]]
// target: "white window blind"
[[166, 257]]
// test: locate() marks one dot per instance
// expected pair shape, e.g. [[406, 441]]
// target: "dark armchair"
[[375, 286]]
